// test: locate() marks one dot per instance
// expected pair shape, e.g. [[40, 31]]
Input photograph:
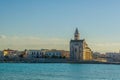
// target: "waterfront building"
[[97, 56], [113, 57], [1, 56], [53, 54], [46, 53], [65, 54], [79, 50], [57, 54], [35, 53], [10, 54]]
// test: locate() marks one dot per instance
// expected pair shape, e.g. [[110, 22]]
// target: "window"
[[75, 50], [32, 53]]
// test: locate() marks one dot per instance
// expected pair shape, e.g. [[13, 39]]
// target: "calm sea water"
[[50, 71]]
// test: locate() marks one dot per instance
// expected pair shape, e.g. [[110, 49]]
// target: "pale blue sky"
[[47, 22]]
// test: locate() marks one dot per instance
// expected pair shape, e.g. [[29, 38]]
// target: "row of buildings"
[[9, 54], [46, 53], [113, 57], [107, 57], [79, 51], [15, 55]]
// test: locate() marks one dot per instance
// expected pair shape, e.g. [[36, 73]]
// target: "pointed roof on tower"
[[76, 31]]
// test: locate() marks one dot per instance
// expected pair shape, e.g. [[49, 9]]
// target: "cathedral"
[[79, 50]]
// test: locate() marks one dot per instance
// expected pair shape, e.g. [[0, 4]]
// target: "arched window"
[[75, 50]]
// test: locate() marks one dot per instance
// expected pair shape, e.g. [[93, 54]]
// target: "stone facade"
[[79, 49]]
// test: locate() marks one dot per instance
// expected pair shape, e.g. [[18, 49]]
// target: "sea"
[[58, 71]]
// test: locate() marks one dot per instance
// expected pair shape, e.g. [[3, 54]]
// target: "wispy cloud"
[[105, 47], [2, 36], [33, 42]]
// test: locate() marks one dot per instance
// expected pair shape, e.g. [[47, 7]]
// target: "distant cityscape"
[[79, 51]]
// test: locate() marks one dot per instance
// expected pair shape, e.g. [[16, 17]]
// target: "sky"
[[37, 24]]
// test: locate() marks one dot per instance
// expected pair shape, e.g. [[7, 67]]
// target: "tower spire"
[[76, 31], [76, 35]]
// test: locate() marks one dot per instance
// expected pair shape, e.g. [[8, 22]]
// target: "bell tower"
[[79, 50], [76, 34]]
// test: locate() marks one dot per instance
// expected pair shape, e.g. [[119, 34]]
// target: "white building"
[[113, 57], [35, 53], [45, 53], [53, 54]]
